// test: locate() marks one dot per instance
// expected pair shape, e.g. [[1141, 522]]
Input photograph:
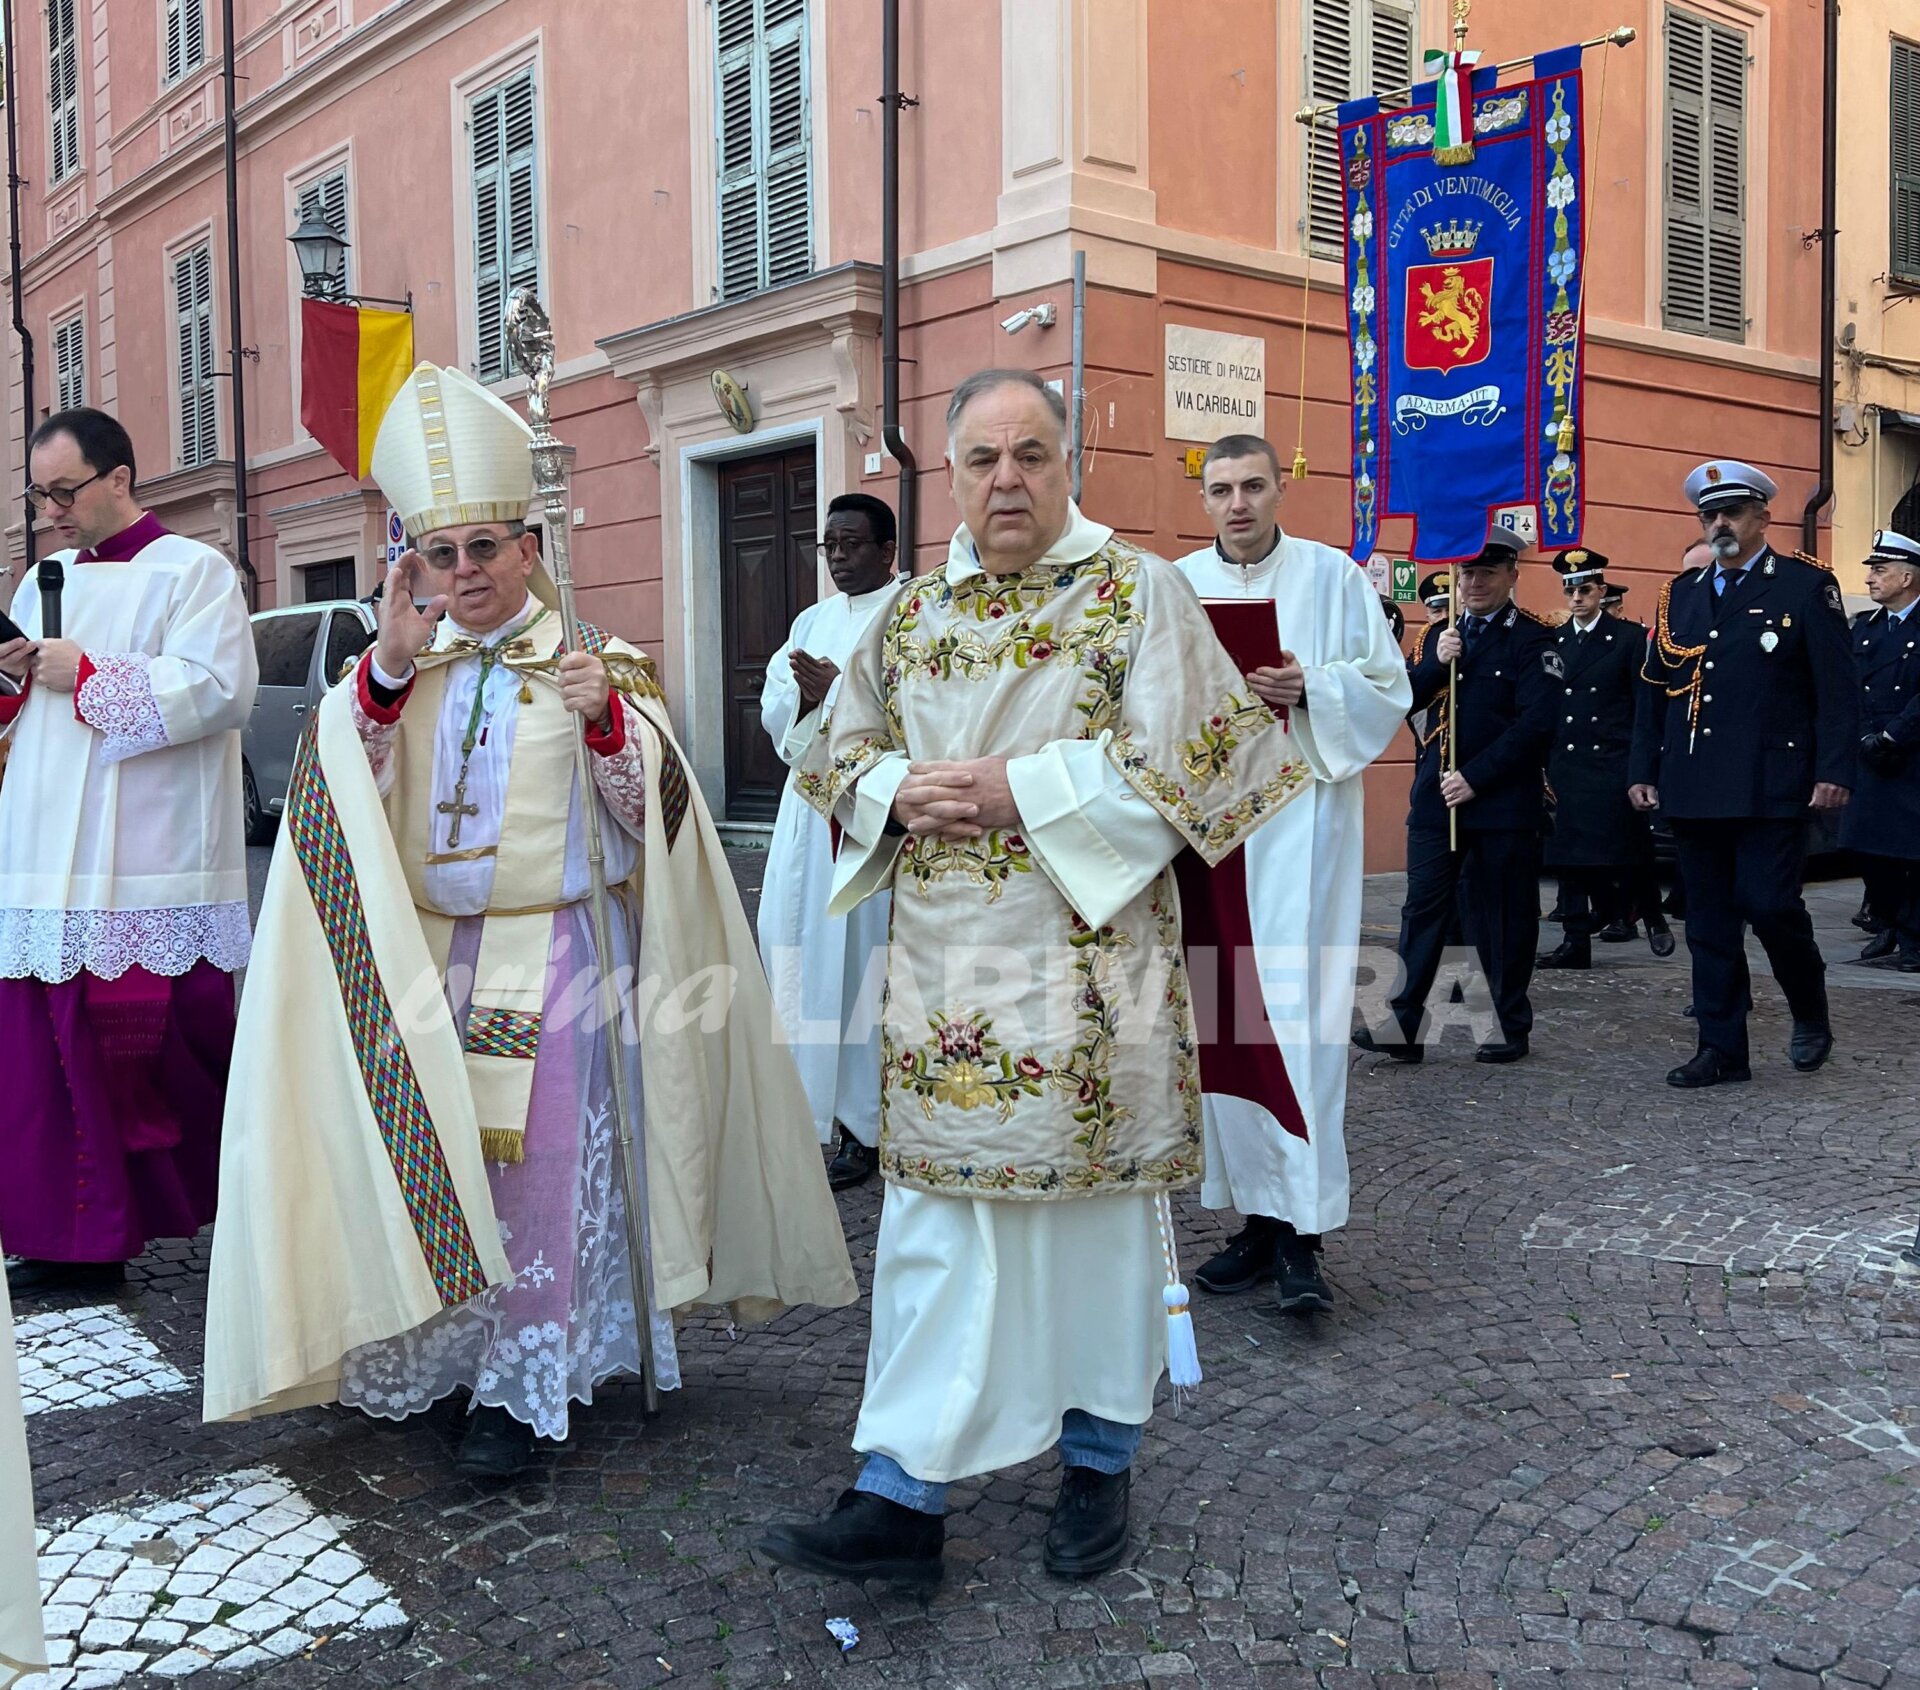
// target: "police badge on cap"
[[1724, 481], [1891, 547], [1578, 564]]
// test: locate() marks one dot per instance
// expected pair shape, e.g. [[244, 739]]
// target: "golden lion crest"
[[1455, 312]]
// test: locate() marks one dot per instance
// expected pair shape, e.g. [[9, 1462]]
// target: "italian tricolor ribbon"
[[1452, 104]]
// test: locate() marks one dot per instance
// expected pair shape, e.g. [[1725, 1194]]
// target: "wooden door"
[[767, 571]]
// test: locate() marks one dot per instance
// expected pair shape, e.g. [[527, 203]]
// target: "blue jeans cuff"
[[883, 1476]]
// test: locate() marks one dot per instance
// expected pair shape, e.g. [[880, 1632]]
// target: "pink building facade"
[[695, 186]]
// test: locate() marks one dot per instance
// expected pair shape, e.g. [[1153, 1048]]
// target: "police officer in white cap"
[[1751, 726], [1882, 823]]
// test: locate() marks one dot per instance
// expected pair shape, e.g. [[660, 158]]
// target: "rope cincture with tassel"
[[1306, 311], [1183, 1351]]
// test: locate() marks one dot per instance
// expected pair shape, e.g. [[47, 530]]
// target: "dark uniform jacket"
[[1594, 824], [1883, 816], [1504, 717], [1777, 703]]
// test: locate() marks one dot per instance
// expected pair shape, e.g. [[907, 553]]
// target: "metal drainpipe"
[[1829, 125], [1077, 422], [892, 436], [19, 294], [236, 341]]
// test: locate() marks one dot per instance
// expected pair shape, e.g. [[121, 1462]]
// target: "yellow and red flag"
[[352, 362]]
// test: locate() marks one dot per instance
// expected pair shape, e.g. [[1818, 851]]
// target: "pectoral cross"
[[459, 808]]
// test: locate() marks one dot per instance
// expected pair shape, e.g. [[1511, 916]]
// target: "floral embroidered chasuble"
[[1027, 1052]]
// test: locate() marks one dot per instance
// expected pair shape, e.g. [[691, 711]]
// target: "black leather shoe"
[[1866, 920], [1089, 1530], [1299, 1287], [496, 1446], [1502, 1050], [853, 1163], [1910, 965], [865, 1537], [1363, 1039], [1883, 943], [1245, 1262], [1707, 1067], [33, 1278], [1620, 931], [1810, 1046], [1569, 953], [1659, 938]]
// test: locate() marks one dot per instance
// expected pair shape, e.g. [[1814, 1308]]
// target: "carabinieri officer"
[[1753, 721]]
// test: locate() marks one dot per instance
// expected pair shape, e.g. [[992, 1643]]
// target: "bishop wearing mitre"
[[421, 1188]]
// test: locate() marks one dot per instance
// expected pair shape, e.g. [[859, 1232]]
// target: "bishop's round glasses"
[[483, 549], [41, 497]]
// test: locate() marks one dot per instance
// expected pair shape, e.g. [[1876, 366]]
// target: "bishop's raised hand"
[[405, 629]]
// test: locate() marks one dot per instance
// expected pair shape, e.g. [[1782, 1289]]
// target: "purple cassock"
[[114, 1073]]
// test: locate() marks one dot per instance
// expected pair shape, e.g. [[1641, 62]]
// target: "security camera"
[[1039, 316]]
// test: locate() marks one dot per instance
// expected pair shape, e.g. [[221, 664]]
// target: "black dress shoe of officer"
[[1883, 943], [853, 1163], [1707, 1067], [1569, 953], [1620, 931], [865, 1537], [1299, 1287], [496, 1446], [1659, 937], [30, 1278], [1246, 1260], [1810, 1046], [1502, 1050], [1363, 1039], [1089, 1530]]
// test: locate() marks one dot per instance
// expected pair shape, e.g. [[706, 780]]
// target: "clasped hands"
[[956, 800], [54, 664]]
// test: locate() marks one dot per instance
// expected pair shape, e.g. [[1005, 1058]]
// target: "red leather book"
[[1246, 627]]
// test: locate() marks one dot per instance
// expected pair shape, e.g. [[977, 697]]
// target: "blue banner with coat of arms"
[[1464, 283]]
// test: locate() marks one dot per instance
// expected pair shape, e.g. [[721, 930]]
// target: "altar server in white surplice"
[[1344, 684], [819, 964]]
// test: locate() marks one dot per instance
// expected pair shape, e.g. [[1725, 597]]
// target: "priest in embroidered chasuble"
[[123, 873], [1021, 745], [421, 1190]]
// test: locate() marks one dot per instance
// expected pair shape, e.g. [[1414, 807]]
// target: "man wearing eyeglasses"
[[1882, 823], [123, 885], [819, 964], [446, 1058]]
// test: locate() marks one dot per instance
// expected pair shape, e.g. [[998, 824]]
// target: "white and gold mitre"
[[449, 454]]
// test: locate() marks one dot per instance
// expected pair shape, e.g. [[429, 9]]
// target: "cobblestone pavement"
[[1623, 1388]]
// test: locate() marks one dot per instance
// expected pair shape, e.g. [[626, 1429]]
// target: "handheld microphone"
[[52, 580]]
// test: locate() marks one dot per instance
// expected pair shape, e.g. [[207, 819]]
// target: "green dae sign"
[[1406, 584]]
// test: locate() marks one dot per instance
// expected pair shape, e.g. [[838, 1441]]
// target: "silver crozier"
[[530, 337]]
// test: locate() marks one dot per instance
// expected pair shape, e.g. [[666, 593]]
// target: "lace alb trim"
[[376, 738], [622, 780], [55, 945], [117, 700]]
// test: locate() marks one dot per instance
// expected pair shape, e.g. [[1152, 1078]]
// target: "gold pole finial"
[[1460, 10]]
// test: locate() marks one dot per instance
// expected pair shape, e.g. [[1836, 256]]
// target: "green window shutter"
[[193, 341], [503, 127], [1904, 260], [186, 43], [763, 144], [63, 86], [1705, 249]]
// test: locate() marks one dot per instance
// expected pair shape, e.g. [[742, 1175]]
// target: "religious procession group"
[[1023, 781]]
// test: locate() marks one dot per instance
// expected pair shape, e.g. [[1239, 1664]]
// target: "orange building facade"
[[695, 186]]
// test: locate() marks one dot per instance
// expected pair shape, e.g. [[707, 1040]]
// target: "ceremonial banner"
[[1464, 324], [353, 361]]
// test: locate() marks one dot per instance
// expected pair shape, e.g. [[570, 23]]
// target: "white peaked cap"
[[1892, 547], [449, 454]]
